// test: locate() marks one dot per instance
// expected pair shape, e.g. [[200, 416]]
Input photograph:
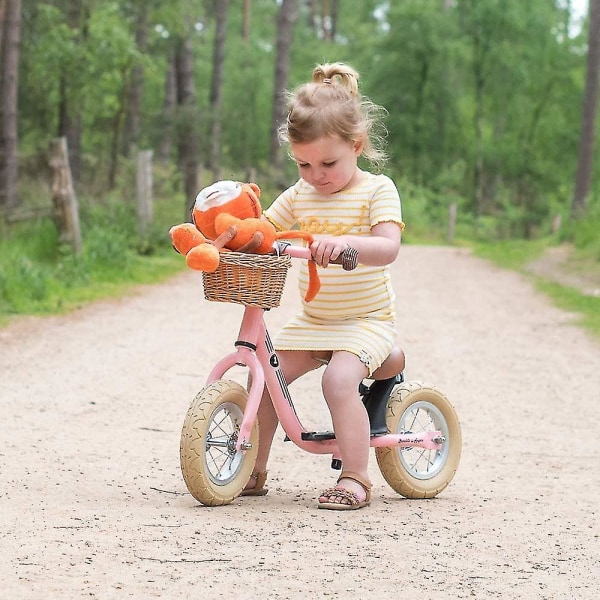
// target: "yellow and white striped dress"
[[354, 310]]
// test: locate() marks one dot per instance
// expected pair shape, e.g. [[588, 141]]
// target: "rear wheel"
[[214, 472], [414, 472]]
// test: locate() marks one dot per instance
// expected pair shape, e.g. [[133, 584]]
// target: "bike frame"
[[254, 350]]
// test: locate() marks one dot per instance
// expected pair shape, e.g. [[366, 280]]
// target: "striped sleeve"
[[385, 202]]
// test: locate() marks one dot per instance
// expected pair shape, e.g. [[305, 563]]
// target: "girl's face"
[[329, 164]]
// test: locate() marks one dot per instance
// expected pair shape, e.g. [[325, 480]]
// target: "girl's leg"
[[294, 363], [340, 383], [392, 365]]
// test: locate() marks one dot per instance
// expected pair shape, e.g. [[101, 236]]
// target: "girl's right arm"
[[377, 249]]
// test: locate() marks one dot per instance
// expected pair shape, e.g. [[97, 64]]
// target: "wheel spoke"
[[421, 462], [419, 409], [221, 443], [212, 467]]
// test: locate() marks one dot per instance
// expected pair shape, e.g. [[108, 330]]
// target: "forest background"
[[491, 112]]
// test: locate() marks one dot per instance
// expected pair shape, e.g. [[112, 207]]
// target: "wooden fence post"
[[452, 210], [145, 209], [64, 201]]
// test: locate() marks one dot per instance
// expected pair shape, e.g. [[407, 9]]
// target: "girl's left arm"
[[377, 249]]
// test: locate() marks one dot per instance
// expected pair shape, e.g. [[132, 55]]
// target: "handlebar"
[[348, 258]]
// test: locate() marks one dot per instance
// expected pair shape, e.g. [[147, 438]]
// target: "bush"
[[40, 275]]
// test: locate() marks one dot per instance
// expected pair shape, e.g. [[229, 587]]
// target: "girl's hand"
[[375, 250], [327, 250]]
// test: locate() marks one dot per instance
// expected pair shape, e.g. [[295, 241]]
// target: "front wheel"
[[414, 472], [214, 472]]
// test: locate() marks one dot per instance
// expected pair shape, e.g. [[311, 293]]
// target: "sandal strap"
[[365, 483], [260, 477], [343, 494]]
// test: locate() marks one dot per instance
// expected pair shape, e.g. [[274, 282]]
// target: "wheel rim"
[[421, 417], [222, 460]]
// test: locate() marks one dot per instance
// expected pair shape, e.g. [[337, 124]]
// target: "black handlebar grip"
[[348, 259]]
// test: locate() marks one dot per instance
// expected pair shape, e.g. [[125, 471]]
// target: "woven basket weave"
[[248, 279]]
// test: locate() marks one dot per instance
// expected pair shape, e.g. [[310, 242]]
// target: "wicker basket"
[[248, 279]]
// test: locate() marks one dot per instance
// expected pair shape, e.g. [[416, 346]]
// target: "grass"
[[39, 276], [515, 255], [511, 254], [30, 289], [570, 299]]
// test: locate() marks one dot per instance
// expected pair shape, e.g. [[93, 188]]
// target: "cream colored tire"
[[416, 472], [214, 472]]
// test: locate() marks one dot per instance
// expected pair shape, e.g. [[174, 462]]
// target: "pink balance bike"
[[414, 429]]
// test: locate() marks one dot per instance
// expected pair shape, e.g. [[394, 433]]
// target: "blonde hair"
[[331, 105]]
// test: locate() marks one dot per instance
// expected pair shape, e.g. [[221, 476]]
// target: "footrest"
[[317, 436]]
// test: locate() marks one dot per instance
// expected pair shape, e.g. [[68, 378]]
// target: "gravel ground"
[[93, 505]]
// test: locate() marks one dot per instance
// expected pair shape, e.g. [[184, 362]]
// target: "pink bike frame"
[[255, 351]]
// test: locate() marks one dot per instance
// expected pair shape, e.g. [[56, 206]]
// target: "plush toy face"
[[232, 197]]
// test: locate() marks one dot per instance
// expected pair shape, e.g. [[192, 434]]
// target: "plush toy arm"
[[254, 244], [246, 233], [224, 238]]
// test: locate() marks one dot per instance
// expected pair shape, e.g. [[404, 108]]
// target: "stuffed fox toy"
[[227, 217]]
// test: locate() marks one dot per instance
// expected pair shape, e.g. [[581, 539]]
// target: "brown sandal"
[[347, 500], [259, 489]]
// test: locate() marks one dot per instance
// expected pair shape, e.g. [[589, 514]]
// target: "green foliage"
[[496, 69], [49, 47], [586, 307], [484, 100], [511, 254], [583, 233], [447, 74], [38, 275]]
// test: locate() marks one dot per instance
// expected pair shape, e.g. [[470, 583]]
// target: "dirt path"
[[92, 503]]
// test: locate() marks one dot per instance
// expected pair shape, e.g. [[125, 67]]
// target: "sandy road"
[[92, 503]]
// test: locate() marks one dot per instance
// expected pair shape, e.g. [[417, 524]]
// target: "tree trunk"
[[187, 140], [325, 20], [136, 84], [221, 7], [70, 119], [3, 4], [583, 178], [286, 18], [145, 207], [312, 16], [329, 15], [246, 19], [169, 109], [478, 123], [64, 201], [116, 136], [9, 86], [334, 18]]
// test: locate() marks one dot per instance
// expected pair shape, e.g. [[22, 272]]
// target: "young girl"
[[350, 326]]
